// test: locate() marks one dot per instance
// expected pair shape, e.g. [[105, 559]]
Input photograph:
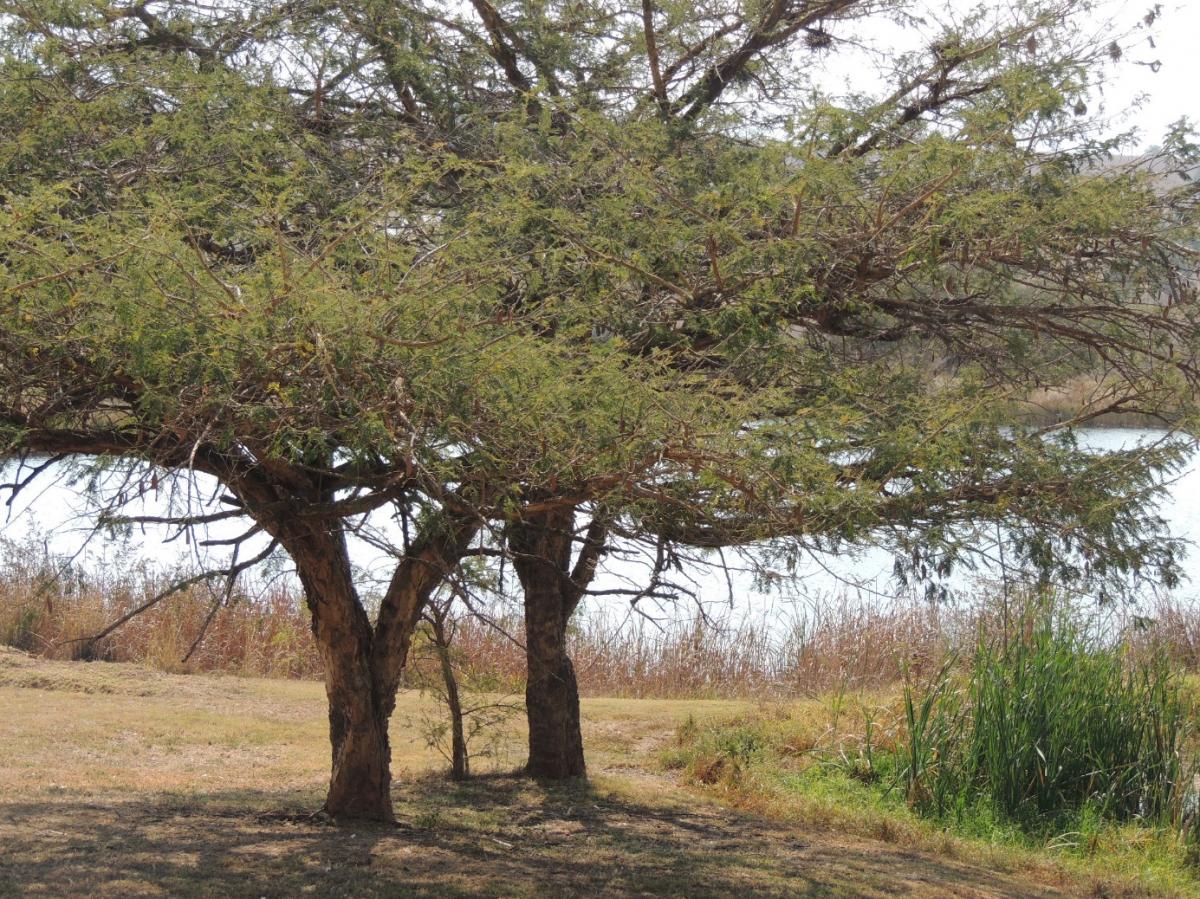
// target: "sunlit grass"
[[1053, 751]]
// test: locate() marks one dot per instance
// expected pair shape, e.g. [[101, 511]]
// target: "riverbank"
[[798, 649]]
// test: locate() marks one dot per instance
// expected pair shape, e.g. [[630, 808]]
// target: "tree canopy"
[[489, 265]]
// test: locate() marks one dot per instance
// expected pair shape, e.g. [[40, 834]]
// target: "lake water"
[[57, 514]]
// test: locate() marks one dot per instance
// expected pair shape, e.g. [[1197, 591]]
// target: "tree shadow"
[[492, 836]]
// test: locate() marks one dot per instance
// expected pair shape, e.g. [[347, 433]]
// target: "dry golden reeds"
[[832, 643]]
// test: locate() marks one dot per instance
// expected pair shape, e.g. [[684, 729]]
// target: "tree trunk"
[[551, 696], [541, 549], [460, 763], [360, 780], [363, 665]]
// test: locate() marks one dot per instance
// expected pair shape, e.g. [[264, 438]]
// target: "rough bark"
[[541, 547], [551, 691], [363, 665], [360, 779]]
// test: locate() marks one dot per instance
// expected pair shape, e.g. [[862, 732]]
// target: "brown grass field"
[[117, 780]]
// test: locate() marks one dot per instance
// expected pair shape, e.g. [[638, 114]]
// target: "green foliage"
[[405, 254], [719, 753], [1058, 740], [1051, 723]]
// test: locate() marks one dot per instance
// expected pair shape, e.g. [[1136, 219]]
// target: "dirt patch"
[[190, 786], [500, 836]]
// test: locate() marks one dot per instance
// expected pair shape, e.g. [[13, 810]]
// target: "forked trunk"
[[363, 665]]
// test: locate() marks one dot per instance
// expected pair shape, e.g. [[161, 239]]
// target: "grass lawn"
[[119, 781]]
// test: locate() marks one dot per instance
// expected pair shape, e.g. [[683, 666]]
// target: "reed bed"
[[831, 643], [49, 607], [1047, 719]]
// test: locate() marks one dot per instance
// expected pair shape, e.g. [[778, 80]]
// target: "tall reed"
[[49, 606], [826, 643], [1050, 718]]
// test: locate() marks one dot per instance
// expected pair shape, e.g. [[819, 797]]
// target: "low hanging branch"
[[231, 573]]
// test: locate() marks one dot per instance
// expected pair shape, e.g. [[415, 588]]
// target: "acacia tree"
[[861, 288], [494, 266]]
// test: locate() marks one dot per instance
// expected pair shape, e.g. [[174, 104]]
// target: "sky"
[[1156, 81], [1174, 90]]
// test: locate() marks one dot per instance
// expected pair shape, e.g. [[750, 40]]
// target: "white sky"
[[1135, 95], [1174, 90]]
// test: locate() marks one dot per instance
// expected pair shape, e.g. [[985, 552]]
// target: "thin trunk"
[[460, 765]]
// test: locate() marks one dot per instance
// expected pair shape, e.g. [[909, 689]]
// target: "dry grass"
[[811, 649], [833, 644], [120, 781], [1082, 393], [829, 645], [823, 646], [47, 607], [264, 632]]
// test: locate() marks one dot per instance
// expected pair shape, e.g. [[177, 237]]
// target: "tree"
[[134, 166], [968, 222], [492, 268]]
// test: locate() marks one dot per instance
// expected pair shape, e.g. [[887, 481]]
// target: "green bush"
[[718, 750]]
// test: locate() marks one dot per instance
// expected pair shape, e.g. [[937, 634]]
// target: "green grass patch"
[[1051, 745]]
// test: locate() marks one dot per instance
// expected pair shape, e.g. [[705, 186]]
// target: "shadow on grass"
[[495, 836]]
